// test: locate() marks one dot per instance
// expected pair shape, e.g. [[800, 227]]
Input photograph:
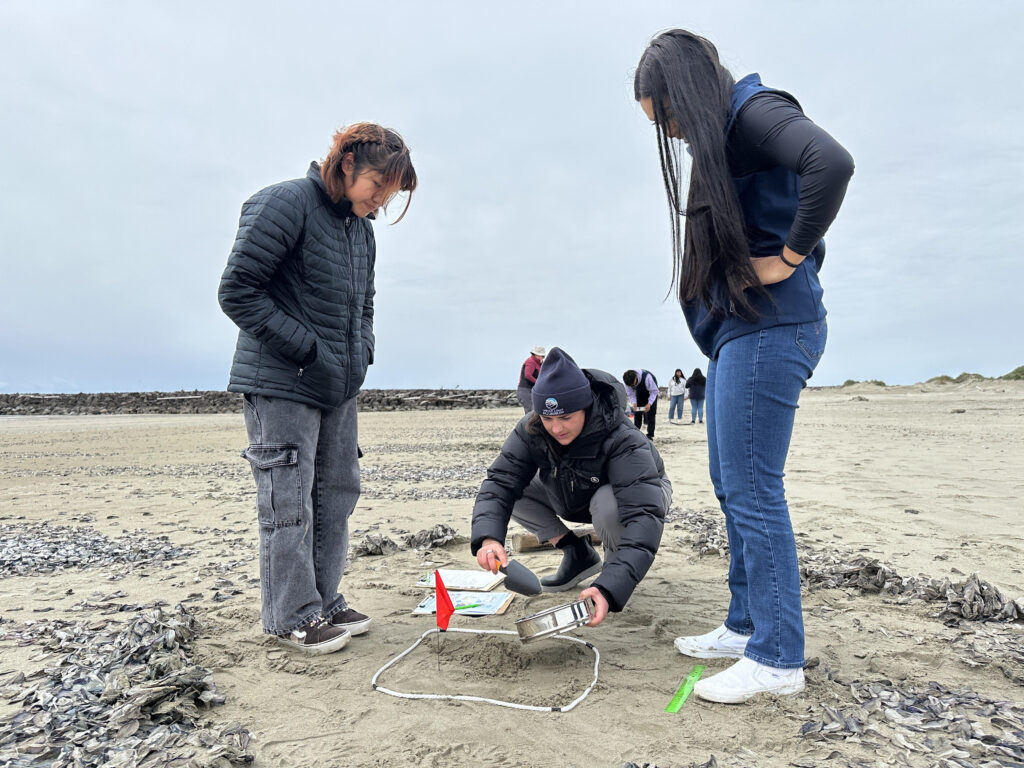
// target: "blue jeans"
[[752, 394], [306, 467], [675, 405], [696, 409]]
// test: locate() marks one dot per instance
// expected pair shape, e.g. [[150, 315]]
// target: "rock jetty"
[[228, 402]]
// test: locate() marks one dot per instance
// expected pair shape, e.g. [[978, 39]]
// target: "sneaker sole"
[[356, 628], [329, 646], [705, 653], [739, 698], [591, 571]]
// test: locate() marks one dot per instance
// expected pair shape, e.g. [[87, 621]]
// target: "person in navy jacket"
[[765, 183]]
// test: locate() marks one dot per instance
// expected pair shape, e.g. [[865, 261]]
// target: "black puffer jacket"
[[609, 450], [696, 387], [299, 285]]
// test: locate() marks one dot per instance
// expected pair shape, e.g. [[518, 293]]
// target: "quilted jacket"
[[609, 450], [299, 286]]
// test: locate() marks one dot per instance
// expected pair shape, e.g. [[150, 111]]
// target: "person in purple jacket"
[[765, 183], [642, 394]]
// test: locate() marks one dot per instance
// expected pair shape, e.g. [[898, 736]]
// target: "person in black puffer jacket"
[[577, 457], [299, 286], [696, 384]]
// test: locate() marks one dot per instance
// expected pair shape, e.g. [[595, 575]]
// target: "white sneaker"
[[745, 679], [718, 643]]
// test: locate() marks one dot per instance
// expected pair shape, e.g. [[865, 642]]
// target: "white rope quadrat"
[[456, 697]]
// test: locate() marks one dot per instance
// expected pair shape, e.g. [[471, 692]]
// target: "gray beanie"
[[561, 386]]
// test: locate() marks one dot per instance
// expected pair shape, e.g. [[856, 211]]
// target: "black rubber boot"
[[579, 561]]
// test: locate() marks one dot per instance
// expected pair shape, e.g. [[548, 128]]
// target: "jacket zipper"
[[572, 487]]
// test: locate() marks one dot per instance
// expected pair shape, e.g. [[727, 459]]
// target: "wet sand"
[[927, 479]]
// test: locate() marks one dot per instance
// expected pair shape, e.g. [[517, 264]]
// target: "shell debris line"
[[907, 724], [418, 482], [712, 763], [41, 548], [119, 697], [440, 535], [995, 647], [904, 723], [972, 599]]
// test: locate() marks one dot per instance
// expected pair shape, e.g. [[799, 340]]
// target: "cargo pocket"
[[278, 484]]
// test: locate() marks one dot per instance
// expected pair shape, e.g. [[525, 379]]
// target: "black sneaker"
[[316, 638], [579, 562], [355, 622]]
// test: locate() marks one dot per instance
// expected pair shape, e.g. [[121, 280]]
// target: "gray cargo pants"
[[305, 464], [536, 514]]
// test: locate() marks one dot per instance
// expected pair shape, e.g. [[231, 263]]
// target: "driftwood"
[[527, 542]]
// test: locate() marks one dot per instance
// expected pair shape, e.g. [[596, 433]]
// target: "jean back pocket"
[[811, 337]]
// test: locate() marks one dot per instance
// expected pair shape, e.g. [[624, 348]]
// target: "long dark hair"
[[697, 377], [373, 148], [690, 92]]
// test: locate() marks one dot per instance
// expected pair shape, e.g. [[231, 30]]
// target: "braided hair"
[[373, 148]]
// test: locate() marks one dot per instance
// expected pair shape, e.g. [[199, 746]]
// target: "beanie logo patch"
[[551, 403]]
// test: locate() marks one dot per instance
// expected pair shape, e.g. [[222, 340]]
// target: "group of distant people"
[[642, 393], [764, 184], [681, 389]]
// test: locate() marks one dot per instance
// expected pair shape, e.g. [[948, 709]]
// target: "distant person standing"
[[642, 393], [764, 184], [696, 385], [299, 284], [676, 396], [528, 377]]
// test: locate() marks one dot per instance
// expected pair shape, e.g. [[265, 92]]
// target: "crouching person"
[[577, 458]]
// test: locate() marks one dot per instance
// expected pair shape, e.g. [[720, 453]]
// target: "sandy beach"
[[925, 480]]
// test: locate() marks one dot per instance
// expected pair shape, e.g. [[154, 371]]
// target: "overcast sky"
[[132, 132]]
